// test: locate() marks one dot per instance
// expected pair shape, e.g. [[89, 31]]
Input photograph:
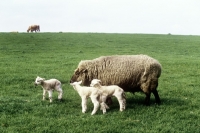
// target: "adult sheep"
[[133, 73]]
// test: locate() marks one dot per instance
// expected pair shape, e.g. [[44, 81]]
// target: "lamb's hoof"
[[107, 108], [60, 100]]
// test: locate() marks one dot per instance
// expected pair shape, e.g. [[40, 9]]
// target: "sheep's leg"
[[124, 103], [95, 101], [147, 98], [104, 98], [154, 85], [145, 89], [44, 94], [60, 92], [121, 102], [84, 104], [124, 100], [104, 106], [155, 92], [50, 95]]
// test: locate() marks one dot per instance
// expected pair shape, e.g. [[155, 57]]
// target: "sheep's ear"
[[76, 71]]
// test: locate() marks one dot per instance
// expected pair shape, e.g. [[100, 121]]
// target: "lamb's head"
[[76, 83], [95, 82], [38, 80]]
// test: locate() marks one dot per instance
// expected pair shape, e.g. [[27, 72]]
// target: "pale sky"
[[103, 16]]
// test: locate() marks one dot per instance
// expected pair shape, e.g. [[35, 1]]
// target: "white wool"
[[86, 92], [49, 86], [108, 91]]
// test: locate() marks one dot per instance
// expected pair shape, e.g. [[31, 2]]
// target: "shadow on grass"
[[131, 102]]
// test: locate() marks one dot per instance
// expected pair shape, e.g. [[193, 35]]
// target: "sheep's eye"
[[77, 73]]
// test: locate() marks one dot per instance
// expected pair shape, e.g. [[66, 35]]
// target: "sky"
[[102, 16]]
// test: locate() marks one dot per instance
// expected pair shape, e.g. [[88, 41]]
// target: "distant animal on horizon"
[[34, 28], [14, 32]]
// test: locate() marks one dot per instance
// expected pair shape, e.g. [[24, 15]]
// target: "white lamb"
[[49, 86], [108, 91], [86, 92]]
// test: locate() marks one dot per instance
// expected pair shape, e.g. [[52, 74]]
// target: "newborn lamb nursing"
[[49, 86], [108, 91], [86, 92]]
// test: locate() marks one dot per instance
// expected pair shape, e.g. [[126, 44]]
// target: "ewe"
[[86, 92], [49, 86], [108, 91], [133, 73]]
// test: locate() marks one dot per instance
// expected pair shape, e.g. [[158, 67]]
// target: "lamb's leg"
[[104, 106], [60, 92], [121, 102], [50, 95], [124, 103], [84, 104], [44, 94], [95, 101]]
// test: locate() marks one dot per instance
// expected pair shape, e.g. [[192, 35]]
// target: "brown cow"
[[33, 28]]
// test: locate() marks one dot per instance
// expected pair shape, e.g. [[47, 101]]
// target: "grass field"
[[55, 55]]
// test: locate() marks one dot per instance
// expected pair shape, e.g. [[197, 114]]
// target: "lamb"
[[49, 86], [86, 92], [131, 72], [108, 91]]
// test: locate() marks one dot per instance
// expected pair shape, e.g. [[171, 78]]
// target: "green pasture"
[[23, 56]]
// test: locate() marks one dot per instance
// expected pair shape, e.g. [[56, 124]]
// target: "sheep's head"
[[80, 74], [95, 82], [38, 80]]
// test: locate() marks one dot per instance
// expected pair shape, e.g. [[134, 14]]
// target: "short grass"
[[55, 55]]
